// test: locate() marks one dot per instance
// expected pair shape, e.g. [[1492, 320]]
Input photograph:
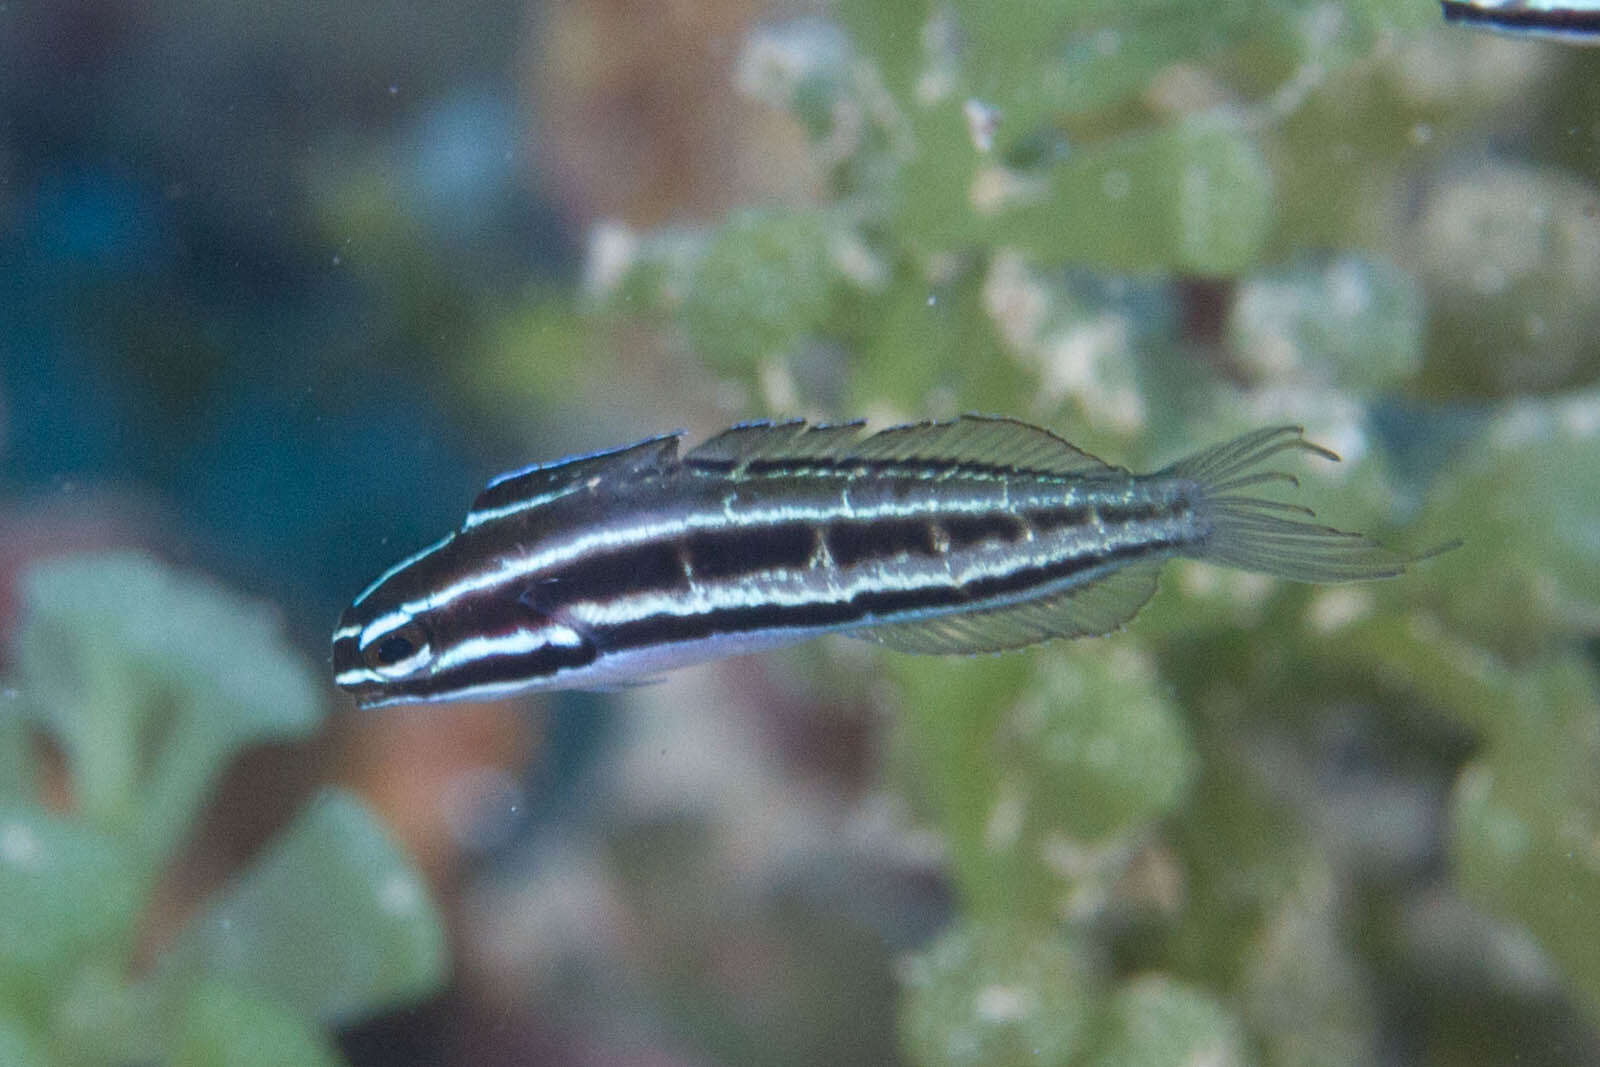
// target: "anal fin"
[[1084, 611]]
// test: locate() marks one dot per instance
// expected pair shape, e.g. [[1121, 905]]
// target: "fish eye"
[[395, 647]]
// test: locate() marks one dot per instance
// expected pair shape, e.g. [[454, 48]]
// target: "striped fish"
[[974, 535], [1572, 21]]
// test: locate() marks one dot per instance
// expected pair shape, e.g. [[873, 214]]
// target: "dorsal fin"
[[977, 439], [792, 439], [541, 483], [1088, 610], [740, 444], [825, 439], [988, 439]]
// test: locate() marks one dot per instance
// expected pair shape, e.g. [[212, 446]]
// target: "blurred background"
[[281, 285]]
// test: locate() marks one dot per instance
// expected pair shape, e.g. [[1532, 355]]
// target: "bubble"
[[19, 847]]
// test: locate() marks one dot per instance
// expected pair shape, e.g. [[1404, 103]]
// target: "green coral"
[[149, 681], [69, 891], [760, 286], [1526, 817], [222, 1027], [1193, 197], [996, 994], [1099, 742], [329, 883], [1300, 984], [1155, 1022]]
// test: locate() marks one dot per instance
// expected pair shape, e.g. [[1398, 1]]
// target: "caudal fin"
[[1255, 533]]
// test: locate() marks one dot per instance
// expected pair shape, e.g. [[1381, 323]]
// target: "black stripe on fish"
[[739, 551], [1050, 520], [853, 542], [654, 565], [994, 527]]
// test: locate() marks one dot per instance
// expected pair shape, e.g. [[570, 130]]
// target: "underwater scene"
[[429, 635]]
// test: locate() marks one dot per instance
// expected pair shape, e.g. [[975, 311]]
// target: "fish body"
[[975, 535], [1570, 21]]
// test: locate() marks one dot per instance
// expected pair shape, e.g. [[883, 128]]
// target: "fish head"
[[434, 629], [387, 642]]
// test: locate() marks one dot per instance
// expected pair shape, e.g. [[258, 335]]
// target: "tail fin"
[[1257, 534]]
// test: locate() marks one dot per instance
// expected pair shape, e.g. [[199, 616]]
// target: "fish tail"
[[1255, 533]]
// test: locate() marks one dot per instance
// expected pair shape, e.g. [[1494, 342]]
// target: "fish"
[[1570, 21], [978, 534]]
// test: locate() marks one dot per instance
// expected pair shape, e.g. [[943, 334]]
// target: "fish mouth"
[[349, 673], [373, 697], [366, 691], [346, 658]]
